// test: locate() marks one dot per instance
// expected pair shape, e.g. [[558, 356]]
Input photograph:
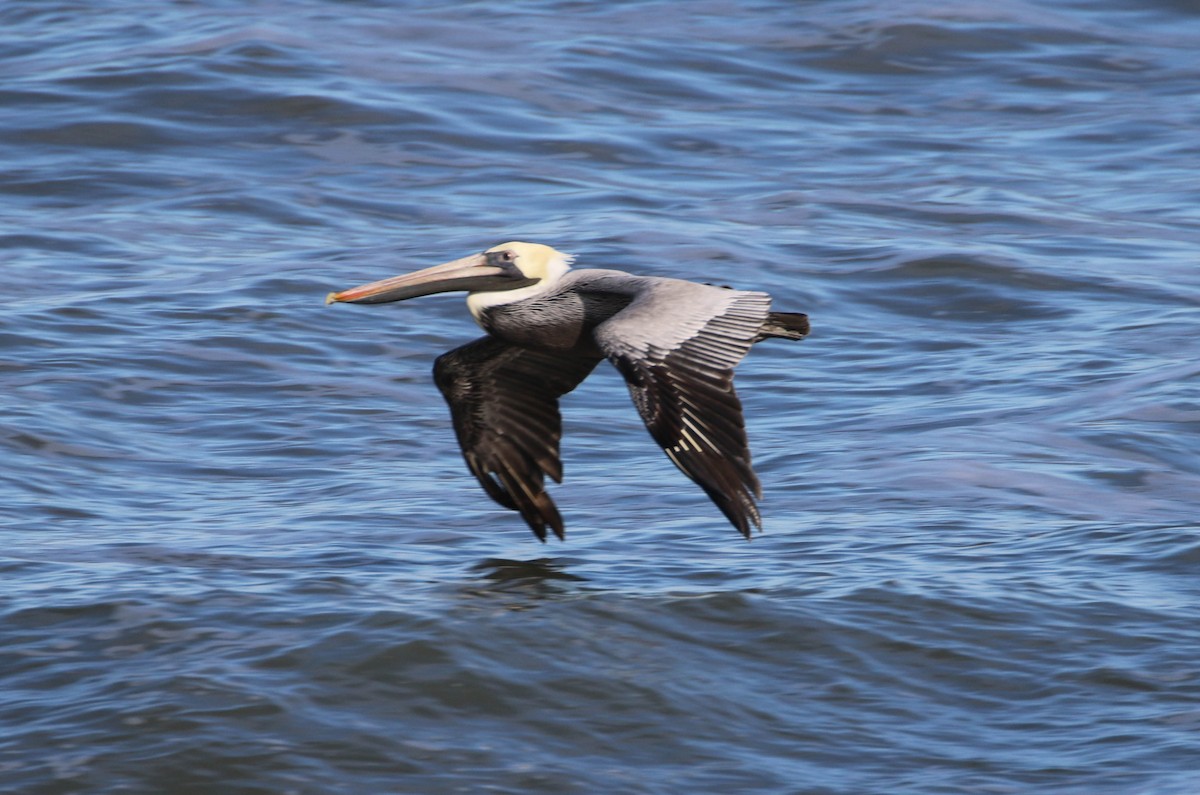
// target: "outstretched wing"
[[677, 344], [504, 403]]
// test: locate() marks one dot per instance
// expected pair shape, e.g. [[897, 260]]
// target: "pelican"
[[676, 343]]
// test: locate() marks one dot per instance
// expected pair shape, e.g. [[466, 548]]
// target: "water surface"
[[242, 553]]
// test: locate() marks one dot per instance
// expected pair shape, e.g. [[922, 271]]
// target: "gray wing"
[[504, 403], [677, 344]]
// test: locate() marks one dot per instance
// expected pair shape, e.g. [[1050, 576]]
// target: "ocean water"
[[242, 553]]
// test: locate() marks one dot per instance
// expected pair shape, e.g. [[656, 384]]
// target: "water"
[[242, 553]]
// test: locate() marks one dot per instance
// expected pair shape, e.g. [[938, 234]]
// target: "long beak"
[[469, 273]]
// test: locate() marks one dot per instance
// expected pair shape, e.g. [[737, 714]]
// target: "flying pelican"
[[676, 343]]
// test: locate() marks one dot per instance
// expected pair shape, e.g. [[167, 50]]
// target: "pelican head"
[[527, 267]]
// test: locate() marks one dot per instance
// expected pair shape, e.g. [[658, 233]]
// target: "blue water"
[[242, 553]]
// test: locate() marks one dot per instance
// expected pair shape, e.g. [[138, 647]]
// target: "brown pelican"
[[676, 343]]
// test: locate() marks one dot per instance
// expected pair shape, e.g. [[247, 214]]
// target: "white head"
[[535, 261]]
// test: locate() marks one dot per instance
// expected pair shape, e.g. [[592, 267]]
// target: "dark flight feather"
[[504, 403], [683, 388]]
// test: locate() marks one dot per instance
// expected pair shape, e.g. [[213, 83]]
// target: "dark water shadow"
[[541, 575]]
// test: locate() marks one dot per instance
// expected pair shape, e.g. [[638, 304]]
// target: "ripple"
[[238, 517]]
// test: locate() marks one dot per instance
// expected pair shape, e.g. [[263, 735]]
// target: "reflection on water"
[[538, 574]]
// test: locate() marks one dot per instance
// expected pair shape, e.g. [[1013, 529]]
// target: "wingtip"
[[541, 513], [550, 515], [539, 530], [747, 529], [556, 522], [742, 513]]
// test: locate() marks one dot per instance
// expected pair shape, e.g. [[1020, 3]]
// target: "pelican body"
[[675, 342]]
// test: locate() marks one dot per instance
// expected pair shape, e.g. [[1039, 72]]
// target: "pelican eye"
[[503, 259]]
